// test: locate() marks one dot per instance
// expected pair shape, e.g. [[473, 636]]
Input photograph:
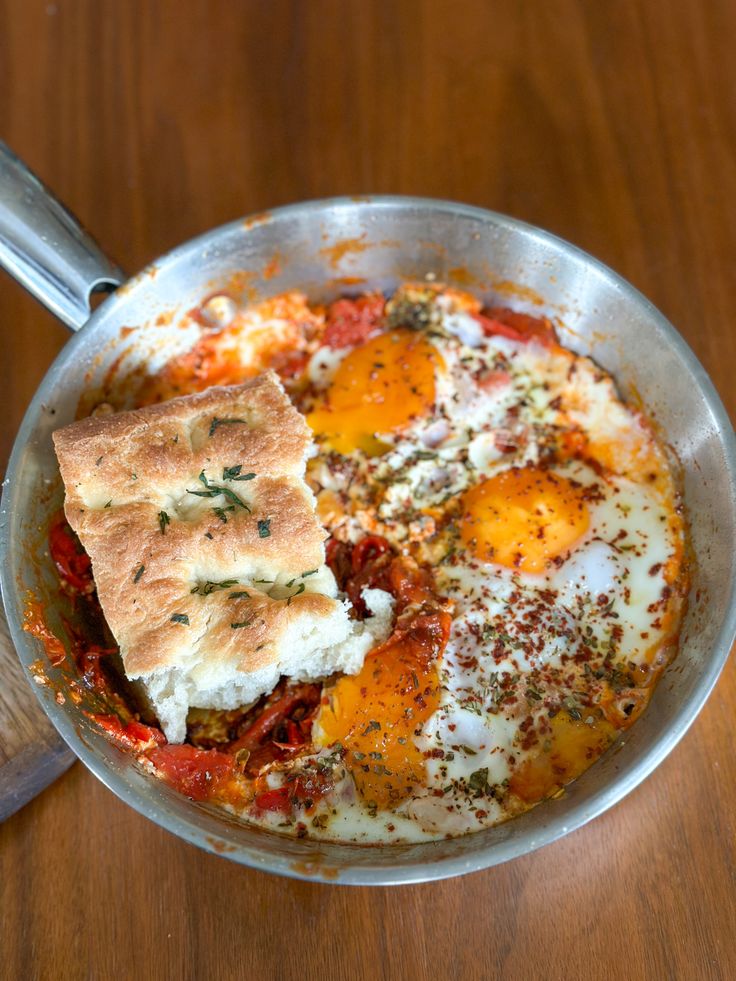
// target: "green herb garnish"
[[163, 520], [221, 512], [478, 780], [180, 618], [243, 623], [300, 589], [234, 473], [264, 528], [242, 594], [222, 422], [205, 588], [139, 573], [214, 490]]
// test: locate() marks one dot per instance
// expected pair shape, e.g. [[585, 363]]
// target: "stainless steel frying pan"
[[320, 246]]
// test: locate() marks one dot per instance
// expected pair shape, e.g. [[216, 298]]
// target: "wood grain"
[[31, 752], [612, 124]]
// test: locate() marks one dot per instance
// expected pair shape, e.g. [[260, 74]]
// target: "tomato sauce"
[[228, 754]]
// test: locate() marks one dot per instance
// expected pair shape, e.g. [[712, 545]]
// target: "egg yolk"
[[377, 388], [375, 716], [523, 517], [573, 746]]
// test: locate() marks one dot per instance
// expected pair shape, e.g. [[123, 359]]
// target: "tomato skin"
[[200, 774], [350, 322]]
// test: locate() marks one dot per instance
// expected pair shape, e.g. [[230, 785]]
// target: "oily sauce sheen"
[[523, 521]]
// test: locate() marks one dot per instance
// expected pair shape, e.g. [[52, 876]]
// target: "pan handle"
[[44, 247]]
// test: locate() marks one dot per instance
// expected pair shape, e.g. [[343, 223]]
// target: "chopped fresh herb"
[[234, 473], [134, 476], [478, 780], [163, 520], [312, 572], [242, 623], [241, 594], [214, 490], [425, 455], [221, 513], [290, 583], [216, 423], [208, 534], [372, 726], [300, 589], [139, 573], [99, 460], [265, 580], [180, 618], [109, 503], [205, 588], [264, 528], [572, 707]]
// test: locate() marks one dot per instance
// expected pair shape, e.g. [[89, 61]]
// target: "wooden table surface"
[[612, 124]]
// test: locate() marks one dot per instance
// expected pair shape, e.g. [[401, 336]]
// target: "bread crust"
[[144, 494]]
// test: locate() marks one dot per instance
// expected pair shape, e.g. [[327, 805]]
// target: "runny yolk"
[[375, 716], [377, 388], [573, 746], [523, 517]]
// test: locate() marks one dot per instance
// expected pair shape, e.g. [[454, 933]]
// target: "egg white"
[[519, 642]]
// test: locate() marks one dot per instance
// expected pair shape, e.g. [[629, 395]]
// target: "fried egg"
[[548, 513], [542, 507]]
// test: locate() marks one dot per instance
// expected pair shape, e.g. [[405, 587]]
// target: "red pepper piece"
[[275, 713]]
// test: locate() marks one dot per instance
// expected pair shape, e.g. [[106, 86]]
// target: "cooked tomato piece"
[[291, 365], [350, 322], [338, 556], [277, 800], [503, 322], [131, 735], [368, 548], [71, 561], [201, 774]]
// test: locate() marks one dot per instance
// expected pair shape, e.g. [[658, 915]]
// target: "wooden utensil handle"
[[32, 754]]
